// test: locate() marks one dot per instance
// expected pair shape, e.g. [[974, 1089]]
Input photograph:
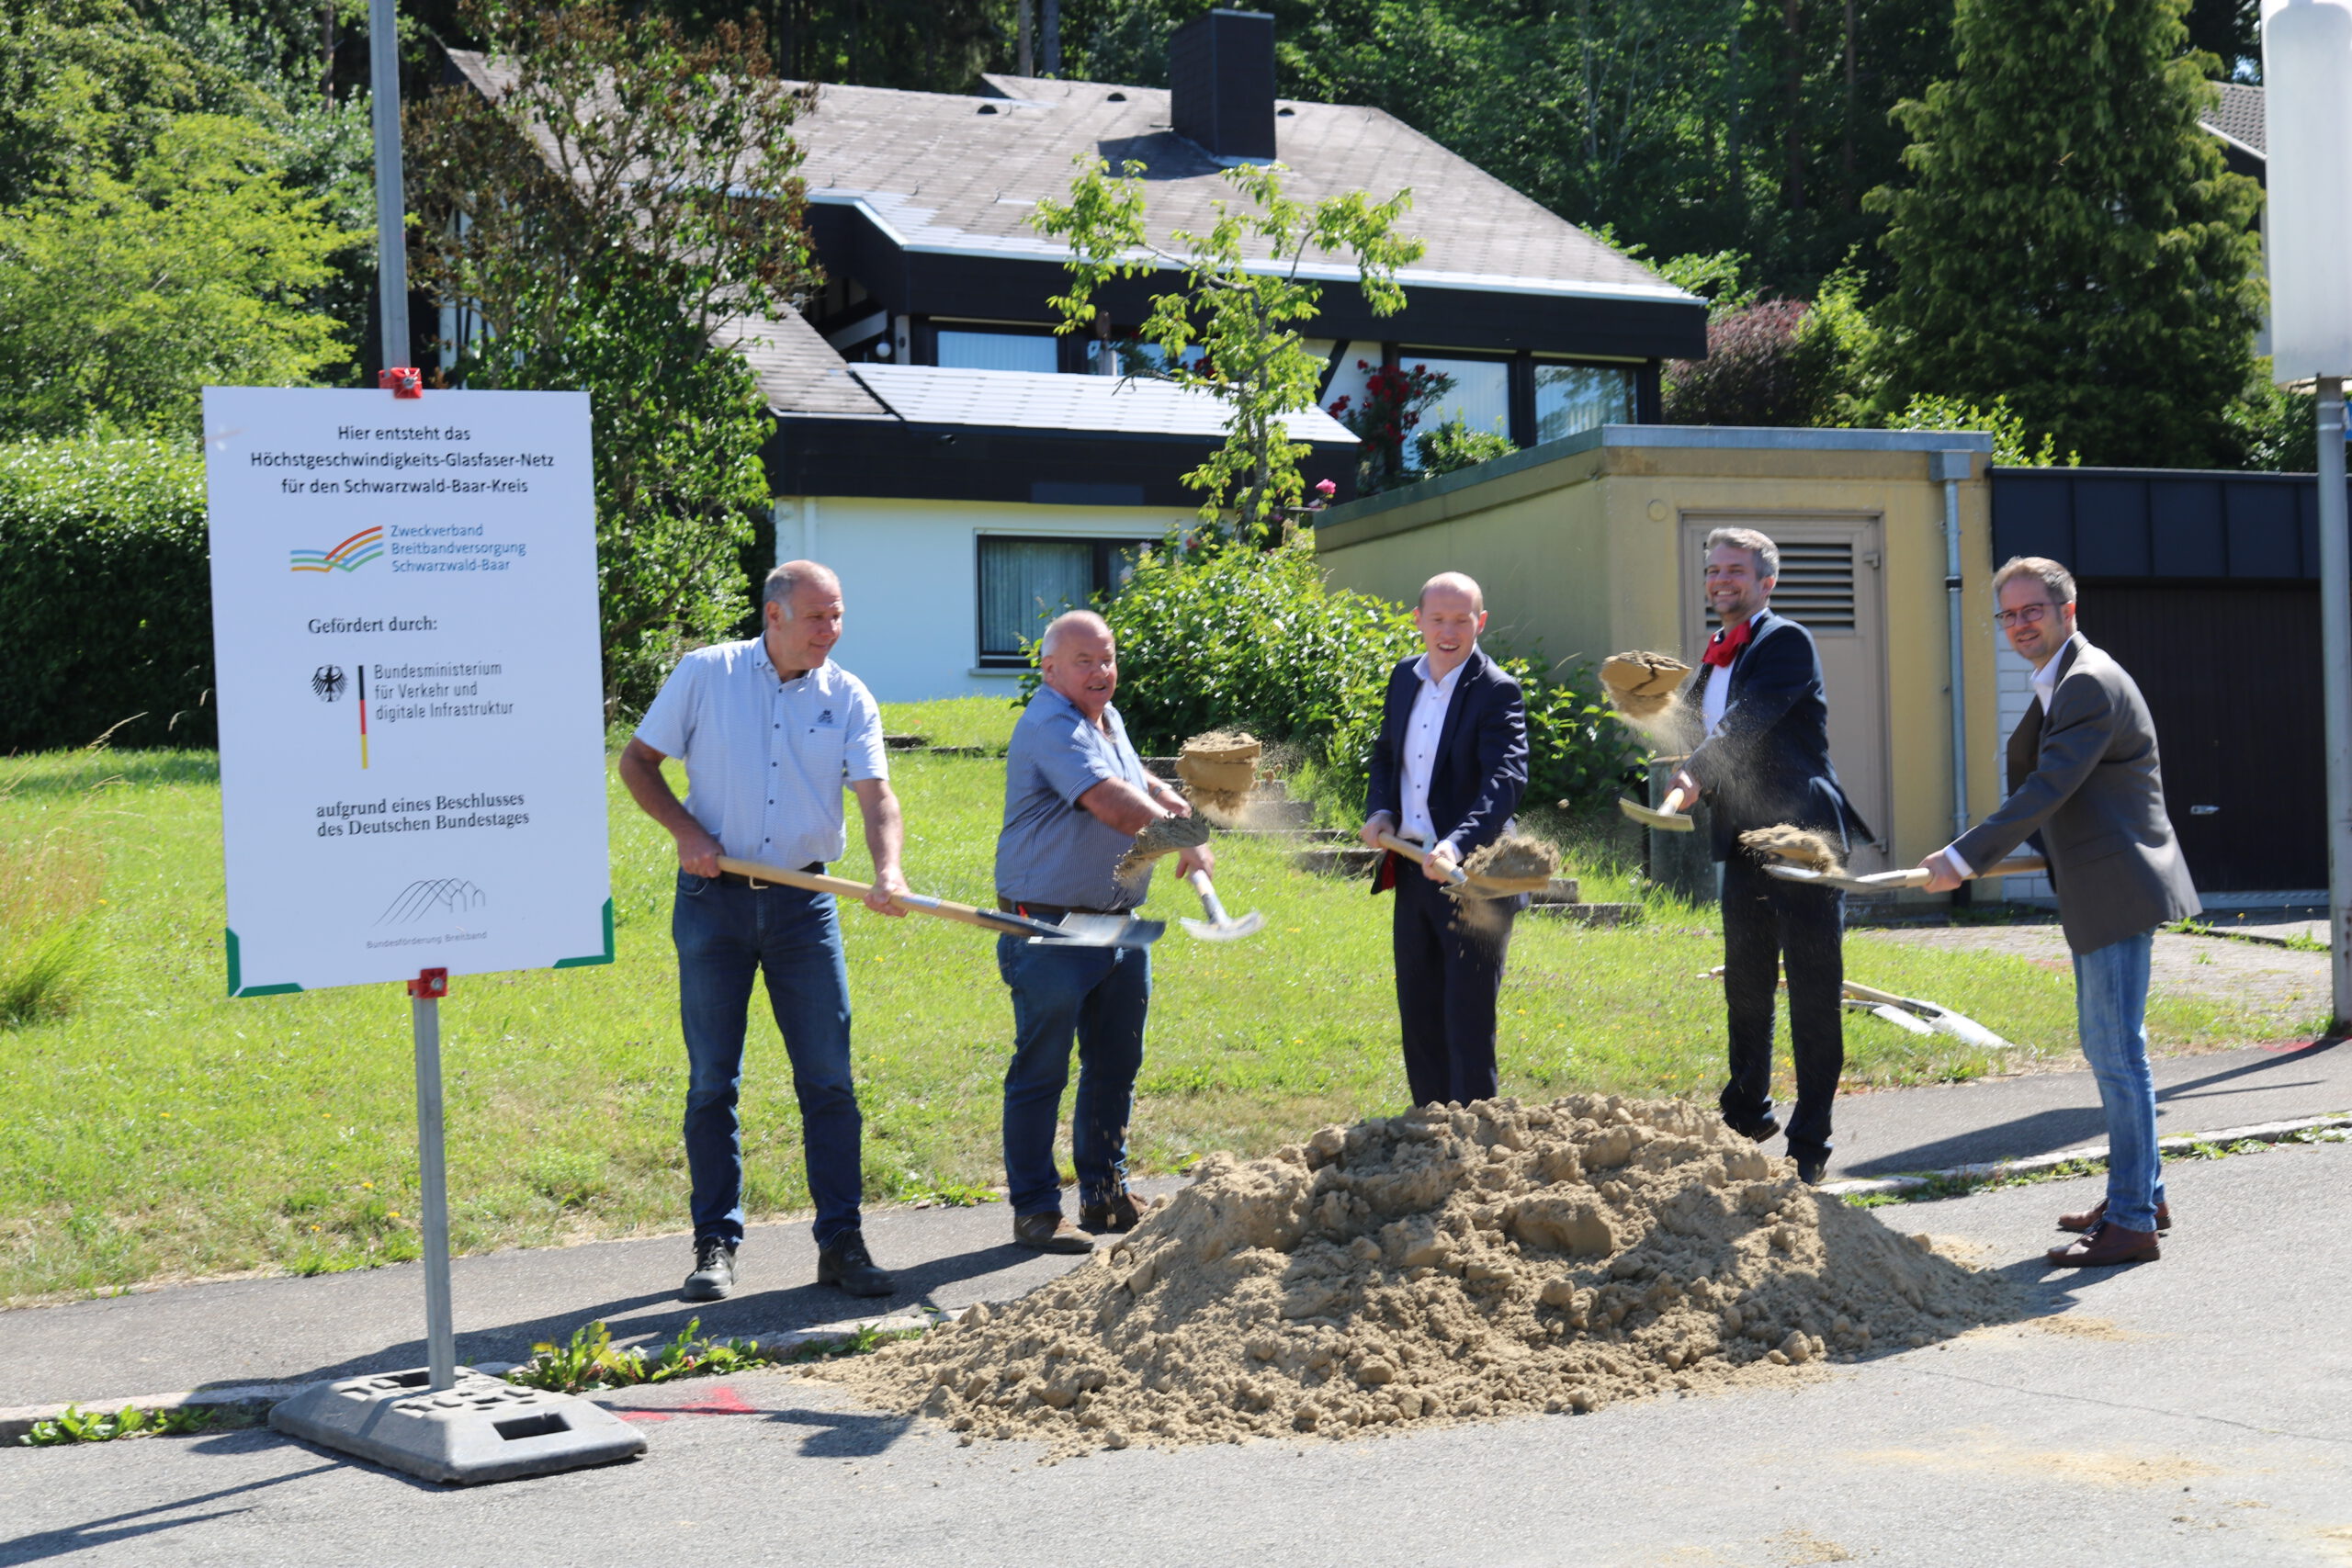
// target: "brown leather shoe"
[[2108, 1244], [1048, 1232], [2093, 1217], [1123, 1211]]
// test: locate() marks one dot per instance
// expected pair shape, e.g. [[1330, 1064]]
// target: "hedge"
[[105, 595]]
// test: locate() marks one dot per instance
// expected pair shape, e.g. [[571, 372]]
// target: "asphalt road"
[[272, 1330], [2195, 1411]]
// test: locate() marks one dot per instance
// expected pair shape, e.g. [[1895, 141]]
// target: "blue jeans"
[[2110, 1001], [1098, 995], [726, 935]]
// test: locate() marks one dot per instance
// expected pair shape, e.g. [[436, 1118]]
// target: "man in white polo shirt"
[[770, 731]]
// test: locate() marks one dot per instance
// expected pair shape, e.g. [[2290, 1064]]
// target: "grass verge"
[[160, 1130]]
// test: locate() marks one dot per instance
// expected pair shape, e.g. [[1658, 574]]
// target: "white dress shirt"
[[2045, 686], [1421, 731], [1715, 696]]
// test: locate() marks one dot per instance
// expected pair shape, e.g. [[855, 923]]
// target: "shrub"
[[104, 592], [1228, 637], [1762, 369], [2013, 446]]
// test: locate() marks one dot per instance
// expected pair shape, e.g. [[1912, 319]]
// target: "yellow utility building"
[[1592, 543]]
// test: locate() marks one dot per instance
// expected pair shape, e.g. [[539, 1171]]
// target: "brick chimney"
[[1221, 83]]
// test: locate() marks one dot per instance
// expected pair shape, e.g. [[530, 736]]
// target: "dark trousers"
[[1099, 997], [1769, 923], [1449, 969], [728, 936]]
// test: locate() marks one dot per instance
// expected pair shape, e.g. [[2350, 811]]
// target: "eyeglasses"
[[2029, 614]]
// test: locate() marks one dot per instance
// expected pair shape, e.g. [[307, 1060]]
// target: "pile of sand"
[[1512, 864], [1445, 1265], [1794, 846]]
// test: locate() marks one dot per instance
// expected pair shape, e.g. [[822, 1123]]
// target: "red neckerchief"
[[1723, 648]]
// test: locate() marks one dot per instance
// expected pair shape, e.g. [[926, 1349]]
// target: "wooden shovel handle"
[[1672, 804], [923, 904], [1420, 856]]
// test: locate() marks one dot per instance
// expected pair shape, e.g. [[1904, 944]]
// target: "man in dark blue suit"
[[1447, 772], [1765, 761]]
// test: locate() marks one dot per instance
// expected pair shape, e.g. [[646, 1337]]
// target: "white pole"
[[432, 1181], [2336, 688], [391, 202]]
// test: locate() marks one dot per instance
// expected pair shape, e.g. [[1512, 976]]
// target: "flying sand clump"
[[1218, 769], [1446, 1265], [1512, 864], [1794, 846]]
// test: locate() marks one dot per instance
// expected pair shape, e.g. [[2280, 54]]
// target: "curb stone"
[[259, 1396], [1996, 1171]]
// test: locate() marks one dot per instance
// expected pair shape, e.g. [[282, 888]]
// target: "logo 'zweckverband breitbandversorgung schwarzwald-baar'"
[[349, 555]]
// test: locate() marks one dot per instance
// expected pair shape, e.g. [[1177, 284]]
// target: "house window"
[[1025, 583], [1573, 398], [963, 350], [1480, 398]]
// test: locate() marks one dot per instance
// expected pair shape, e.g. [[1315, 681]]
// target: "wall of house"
[[909, 573], [1582, 552]]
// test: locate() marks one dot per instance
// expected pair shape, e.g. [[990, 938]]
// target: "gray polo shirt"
[[1052, 850], [766, 759]]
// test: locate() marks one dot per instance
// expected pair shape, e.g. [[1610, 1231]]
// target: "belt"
[[1037, 911], [737, 879]]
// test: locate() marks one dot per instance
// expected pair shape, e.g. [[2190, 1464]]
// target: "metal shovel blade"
[[1823, 879], [1250, 924], [1649, 817], [1104, 930]]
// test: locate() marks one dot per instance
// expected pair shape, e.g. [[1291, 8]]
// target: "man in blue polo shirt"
[[770, 731], [1075, 796]]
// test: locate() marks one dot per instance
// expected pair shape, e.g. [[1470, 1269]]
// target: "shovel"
[[1668, 813], [1219, 926], [1889, 881], [1075, 931]]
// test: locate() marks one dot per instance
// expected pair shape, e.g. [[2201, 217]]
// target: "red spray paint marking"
[[723, 1400]]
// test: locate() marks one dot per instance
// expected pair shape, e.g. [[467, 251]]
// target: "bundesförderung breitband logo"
[[349, 555]]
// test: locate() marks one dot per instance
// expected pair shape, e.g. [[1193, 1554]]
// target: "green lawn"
[[161, 1130]]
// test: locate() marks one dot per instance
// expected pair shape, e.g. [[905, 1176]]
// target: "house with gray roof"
[[968, 472]]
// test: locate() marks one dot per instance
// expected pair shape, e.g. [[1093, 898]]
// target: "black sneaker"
[[849, 1268], [1811, 1168], [714, 1276]]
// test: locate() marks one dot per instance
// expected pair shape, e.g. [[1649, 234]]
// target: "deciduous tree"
[[1241, 301], [611, 220]]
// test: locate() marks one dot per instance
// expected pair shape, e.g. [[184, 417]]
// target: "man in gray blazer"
[[2084, 783]]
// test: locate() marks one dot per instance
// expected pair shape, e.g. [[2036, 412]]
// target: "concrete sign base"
[[484, 1429]]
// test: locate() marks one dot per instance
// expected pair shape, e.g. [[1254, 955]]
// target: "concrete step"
[[1337, 860], [1280, 816], [1589, 914]]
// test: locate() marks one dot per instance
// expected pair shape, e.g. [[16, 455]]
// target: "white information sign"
[[412, 719]]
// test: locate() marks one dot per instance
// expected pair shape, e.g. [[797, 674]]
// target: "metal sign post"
[[2306, 231], [439, 1421], [2335, 689], [424, 1021], [392, 199]]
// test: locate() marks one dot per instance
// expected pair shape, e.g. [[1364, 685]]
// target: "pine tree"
[[2069, 237]]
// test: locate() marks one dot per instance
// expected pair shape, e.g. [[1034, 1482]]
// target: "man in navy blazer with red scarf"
[[1765, 761], [1448, 771]]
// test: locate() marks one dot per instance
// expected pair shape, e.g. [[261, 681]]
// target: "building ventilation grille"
[[1817, 584]]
